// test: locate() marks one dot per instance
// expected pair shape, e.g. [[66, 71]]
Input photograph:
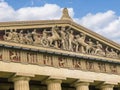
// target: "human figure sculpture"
[[98, 50], [113, 53], [15, 36], [63, 38], [35, 37], [70, 39], [81, 40], [21, 37], [44, 37], [90, 48], [28, 38]]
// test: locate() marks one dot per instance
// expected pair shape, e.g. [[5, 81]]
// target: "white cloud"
[[1, 0], [104, 23], [48, 11]]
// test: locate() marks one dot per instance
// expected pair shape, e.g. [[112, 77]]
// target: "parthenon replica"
[[56, 55]]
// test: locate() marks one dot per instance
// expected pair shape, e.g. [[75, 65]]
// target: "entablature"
[[62, 35]]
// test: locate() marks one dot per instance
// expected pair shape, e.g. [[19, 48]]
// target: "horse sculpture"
[[54, 38]]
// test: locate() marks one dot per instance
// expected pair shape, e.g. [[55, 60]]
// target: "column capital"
[[53, 81], [24, 74], [107, 85], [85, 80], [57, 77], [81, 82], [20, 78]]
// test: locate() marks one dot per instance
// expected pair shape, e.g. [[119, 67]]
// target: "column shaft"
[[82, 86], [54, 84]]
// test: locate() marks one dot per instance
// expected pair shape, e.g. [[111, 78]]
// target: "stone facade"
[[56, 55]]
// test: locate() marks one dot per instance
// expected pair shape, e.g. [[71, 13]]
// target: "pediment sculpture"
[[60, 37]]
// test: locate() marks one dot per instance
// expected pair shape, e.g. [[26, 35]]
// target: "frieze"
[[60, 37], [42, 59]]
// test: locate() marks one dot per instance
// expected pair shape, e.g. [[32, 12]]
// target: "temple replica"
[[56, 55]]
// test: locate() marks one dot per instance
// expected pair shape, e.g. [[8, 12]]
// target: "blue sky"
[[81, 7], [101, 16]]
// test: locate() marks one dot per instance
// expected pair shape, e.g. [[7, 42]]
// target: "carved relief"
[[57, 61], [48, 60], [31, 57], [1, 52], [113, 68], [14, 55], [89, 65], [102, 67], [76, 63], [111, 53], [63, 37], [62, 61]]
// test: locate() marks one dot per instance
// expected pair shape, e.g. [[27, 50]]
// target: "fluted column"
[[107, 87], [21, 83], [82, 86], [54, 84]]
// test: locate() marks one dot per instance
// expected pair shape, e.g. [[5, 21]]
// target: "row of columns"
[[22, 83]]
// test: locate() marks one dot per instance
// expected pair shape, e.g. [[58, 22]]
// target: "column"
[[107, 87], [54, 84], [82, 86], [21, 83]]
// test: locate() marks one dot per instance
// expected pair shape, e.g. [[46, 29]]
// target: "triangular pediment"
[[58, 37]]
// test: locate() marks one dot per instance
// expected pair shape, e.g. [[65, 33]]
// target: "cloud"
[[48, 11], [104, 23], [1, 0]]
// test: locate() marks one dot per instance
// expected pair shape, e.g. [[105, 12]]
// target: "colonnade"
[[22, 83]]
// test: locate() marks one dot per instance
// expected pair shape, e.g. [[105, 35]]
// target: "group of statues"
[[61, 38]]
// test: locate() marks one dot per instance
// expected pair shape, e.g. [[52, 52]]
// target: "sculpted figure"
[[5, 36], [63, 38], [44, 40], [0, 54], [113, 53], [53, 39], [28, 38], [21, 37], [75, 44], [35, 37], [98, 50], [14, 56], [61, 62], [90, 47], [35, 34], [107, 52], [81, 40], [15, 36], [9, 35], [70, 39]]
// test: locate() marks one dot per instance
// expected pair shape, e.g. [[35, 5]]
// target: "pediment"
[[59, 37]]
